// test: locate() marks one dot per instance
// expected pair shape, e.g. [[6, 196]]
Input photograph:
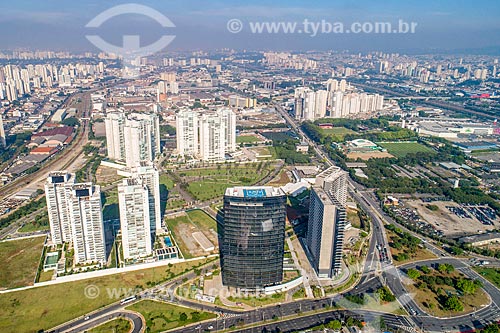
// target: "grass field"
[[19, 261], [206, 184], [45, 307], [202, 219], [162, 316], [246, 139], [118, 325], [401, 149], [337, 131], [167, 181], [490, 274]]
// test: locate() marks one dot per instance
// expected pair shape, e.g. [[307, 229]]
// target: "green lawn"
[[211, 183], [19, 260], [202, 219], [401, 149], [167, 181], [45, 307], [246, 139], [45, 276], [337, 131], [162, 316], [491, 274], [118, 325]]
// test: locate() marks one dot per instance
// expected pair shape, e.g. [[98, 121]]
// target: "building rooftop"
[[254, 191]]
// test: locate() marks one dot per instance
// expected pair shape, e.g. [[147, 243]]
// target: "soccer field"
[[401, 149]]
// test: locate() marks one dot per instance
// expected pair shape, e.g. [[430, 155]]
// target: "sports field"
[[401, 149]]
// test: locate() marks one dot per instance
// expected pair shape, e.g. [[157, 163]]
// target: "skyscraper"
[[327, 220], [133, 198], [212, 138], [57, 194], [115, 140], [208, 136], [252, 239], [87, 223], [150, 177], [187, 132], [3, 139], [132, 138]]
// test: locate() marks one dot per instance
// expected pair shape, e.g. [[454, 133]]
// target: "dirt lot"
[[443, 219], [366, 156]]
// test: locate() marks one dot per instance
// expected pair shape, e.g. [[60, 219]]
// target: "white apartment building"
[[57, 194], [133, 198], [87, 223], [208, 136], [132, 138], [327, 220], [149, 175]]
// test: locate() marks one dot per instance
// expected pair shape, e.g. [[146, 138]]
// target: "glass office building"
[[252, 237]]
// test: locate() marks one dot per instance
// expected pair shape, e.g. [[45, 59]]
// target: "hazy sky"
[[442, 24]]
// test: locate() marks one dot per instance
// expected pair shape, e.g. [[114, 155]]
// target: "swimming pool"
[[168, 241]]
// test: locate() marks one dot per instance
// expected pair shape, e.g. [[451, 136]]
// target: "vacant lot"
[[19, 261], [401, 149], [114, 326], [443, 219], [45, 307], [162, 316], [184, 226]]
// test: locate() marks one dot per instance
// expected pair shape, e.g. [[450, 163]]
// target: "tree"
[[492, 328], [413, 274], [425, 269], [467, 286], [453, 303], [335, 324], [71, 121], [446, 268], [183, 316]]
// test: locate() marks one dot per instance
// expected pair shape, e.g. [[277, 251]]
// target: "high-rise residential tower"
[[87, 223], [327, 220], [57, 194], [132, 138], [133, 199]]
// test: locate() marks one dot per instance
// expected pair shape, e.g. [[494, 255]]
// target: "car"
[[210, 327], [86, 318]]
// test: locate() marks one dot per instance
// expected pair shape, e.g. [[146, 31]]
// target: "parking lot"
[[452, 219]]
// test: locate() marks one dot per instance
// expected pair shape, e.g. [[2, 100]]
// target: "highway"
[[285, 316]]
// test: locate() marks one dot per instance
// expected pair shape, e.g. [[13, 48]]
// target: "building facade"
[[327, 221], [132, 138], [252, 238], [57, 194], [133, 199], [206, 136], [87, 223]]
